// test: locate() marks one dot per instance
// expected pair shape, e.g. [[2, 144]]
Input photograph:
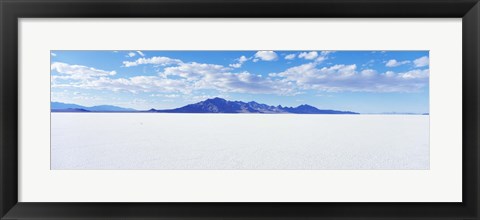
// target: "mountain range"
[[65, 107], [219, 105], [214, 105]]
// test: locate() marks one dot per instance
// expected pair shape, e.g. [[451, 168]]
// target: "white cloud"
[[243, 59], [181, 78], [162, 61], [389, 74], [323, 56], [131, 54], [422, 61], [326, 52], [133, 84], [321, 59], [235, 65], [342, 77], [53, 54], [79, 71], [188, 78], [194, 71], [308, 55], [415, 74], [394, 63], [266, 56], [368, 72], [240, 61], [218, 77], [290, 56], [308, 72], [185, 78], [243, 82], [140, 53]]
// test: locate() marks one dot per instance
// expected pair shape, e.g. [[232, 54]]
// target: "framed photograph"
[[212, 109]]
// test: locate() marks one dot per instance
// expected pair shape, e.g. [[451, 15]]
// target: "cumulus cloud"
[[243, 59], [240, 61], [323, 56], [320, 59], [244, 82], [308, 55], [368, 72], [181, 78], [341, 77], [235, 65], [421, 62], [308, 73], [290, 56], [266, 55], [218, 77], [177, 76], [140, 53], [131, 54], [389, 74], [133, 84], [395, 63], [53, 54], [415, 74], [161, 61], [194, 71], [78, 71]]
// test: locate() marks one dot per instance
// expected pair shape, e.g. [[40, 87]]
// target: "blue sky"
[[361, 81]]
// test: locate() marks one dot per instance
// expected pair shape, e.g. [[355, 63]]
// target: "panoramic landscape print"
[[239, 110]]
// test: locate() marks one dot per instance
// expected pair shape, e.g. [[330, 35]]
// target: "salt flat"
[[238, 141]]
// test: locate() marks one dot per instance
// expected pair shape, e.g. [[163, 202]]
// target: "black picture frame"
[[12, 10]]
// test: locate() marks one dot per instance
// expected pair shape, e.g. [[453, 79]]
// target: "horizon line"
[[151, 108]]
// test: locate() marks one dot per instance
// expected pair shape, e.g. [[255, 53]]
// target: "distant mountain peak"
[[220, 105], [216, 99], [305, 106]]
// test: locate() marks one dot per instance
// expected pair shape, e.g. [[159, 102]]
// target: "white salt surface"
[[238, 141]]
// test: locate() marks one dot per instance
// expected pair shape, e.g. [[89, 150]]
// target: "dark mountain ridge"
[[219, 105]]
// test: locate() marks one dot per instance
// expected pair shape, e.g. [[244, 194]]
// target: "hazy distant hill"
[[219, 105], [65, 107]]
